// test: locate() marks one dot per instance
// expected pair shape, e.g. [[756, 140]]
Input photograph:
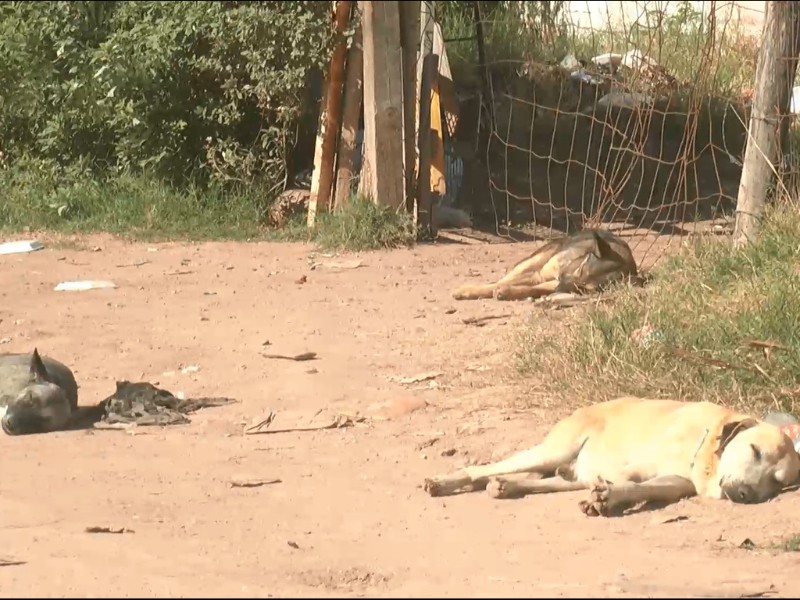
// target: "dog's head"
[[40, 407], [756, 461]]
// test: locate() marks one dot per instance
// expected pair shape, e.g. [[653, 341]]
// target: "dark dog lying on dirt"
[[39, 395], [635, 450], [581, 263]]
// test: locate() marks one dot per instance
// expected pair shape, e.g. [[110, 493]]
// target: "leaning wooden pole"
[[353, 96], [409, 41], [430, 69], [775, 72], [330, 118]]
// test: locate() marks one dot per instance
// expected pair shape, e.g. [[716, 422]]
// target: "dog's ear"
[[38, 372], [602, 249], [731, 430]]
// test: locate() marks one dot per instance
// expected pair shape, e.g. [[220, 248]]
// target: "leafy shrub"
[[190, 91]]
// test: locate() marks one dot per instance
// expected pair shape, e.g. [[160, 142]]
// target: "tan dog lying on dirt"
[[634, 450], [584, 262]]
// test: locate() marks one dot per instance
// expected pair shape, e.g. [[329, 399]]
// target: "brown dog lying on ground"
[[633, 450], [584, 262]]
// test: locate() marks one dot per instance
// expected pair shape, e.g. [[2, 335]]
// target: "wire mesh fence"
[[625, 115]]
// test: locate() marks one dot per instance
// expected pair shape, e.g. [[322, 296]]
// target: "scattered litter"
[[416, 378], [181, 273], [250, 483], [296, 357], [95, 249], [646, 336], [190, 369], [19, 247], [152, 249], [82, 286], [209, 293], [109, 530], [287, 422], [481, 321], [5, 340], [293, 545]]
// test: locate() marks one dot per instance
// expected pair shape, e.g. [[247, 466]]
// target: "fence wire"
[[625, 115]]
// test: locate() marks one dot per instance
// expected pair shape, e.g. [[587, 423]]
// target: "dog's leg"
[[521, 291], [605, 497], [501, 488], [554, 452], [474, 292]]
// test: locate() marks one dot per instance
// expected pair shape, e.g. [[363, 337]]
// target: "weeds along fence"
[[626, 115]]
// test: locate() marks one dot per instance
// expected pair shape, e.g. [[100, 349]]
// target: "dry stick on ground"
[[336, 422], [250, 483], [482, 320], [296, 357]]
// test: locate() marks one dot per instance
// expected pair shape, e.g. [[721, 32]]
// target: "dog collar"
[[793, 431]]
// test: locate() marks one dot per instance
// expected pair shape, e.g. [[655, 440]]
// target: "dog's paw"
[[598, 504], [500, 489], [500, 293], [433, 487]]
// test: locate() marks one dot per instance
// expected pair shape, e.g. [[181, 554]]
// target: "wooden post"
[[430, 68], [330, 119], [775, 72], [366, 185], [351, 112], [409, 39], [383, 116], [485, 77]]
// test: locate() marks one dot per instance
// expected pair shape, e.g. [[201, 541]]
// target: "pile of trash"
[[142, 403]]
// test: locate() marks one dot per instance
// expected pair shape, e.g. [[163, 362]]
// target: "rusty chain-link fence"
[[625, 115]]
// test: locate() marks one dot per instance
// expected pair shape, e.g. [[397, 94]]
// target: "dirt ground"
[[349, 516]]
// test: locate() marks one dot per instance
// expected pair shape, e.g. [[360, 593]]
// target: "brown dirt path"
[[349, 517]]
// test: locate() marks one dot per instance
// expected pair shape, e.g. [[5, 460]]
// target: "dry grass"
[[712, 311]]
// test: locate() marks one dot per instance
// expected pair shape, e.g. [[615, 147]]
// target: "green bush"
[[188, 91]]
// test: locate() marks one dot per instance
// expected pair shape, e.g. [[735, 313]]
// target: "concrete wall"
[[747, 15]]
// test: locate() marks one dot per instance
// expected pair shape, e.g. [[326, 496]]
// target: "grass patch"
[[708, 303], [38, 197], [139, 207], [358, 225], [790, 544]]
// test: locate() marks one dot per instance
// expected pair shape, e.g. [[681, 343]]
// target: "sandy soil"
[[349, 517]]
